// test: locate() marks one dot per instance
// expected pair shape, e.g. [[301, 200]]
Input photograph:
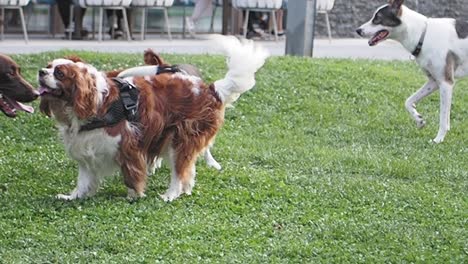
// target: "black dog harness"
[[168, 69], [126, 108]]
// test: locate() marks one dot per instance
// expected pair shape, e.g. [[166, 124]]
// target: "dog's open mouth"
[[10, 106], [44, 90], [378, 37]]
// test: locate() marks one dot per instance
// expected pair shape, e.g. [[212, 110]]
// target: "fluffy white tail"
[[244, 58]]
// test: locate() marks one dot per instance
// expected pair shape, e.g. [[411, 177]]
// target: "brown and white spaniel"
[[151, 58], [178, 116]]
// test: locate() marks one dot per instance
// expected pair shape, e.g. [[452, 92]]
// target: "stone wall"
[[347, 15]]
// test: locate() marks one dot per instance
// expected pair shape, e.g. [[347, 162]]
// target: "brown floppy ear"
[[152, 58], [113, 74], [44, 107], [84, 95], [73, 58]]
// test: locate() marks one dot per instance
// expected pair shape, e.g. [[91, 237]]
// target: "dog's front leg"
[[86, 186], [411, 102], [446, 91]]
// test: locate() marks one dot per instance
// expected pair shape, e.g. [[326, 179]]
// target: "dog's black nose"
[[35, 94], [359, 31], [42, 73]]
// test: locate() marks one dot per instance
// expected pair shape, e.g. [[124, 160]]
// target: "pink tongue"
[[42, 90], [23, 107]]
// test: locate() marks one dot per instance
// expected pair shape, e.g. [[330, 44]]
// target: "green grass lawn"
[[321, 163]]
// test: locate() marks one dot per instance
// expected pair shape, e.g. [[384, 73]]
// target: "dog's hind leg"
[[86, 186], [446, 92], [154, 165], [182, 173], [411, 102], [135, 173], [210, 161]]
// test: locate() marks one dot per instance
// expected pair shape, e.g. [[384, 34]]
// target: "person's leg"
[[202, 8], [279, 21], [79, 13], [113, 18], [64, 11], [118, 27]]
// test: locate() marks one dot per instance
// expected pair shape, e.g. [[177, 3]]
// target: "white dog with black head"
[[439, 45]]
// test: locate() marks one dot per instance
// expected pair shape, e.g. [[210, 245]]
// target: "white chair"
[[258, 5], [108, 5], [216, 4], [323, 7], [13, 4], [153, 4], [50, 5]]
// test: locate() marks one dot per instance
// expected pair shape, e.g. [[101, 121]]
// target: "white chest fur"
[[96, 150]]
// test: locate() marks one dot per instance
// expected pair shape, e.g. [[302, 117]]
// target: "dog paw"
[[437, 140], [187, 188], [214, 164], [132, 194], [65, 197], [170, 195], [421, 124]]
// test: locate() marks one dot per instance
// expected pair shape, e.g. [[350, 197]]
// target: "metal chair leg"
[[2, 27], [101, 18], [166, 17], [328, 27], [275, 25], [127, 27], [112, 22], [23, 24], [212, 19], [93, 23], [143, 21], [69, 29], [246, 21], [183, 23]]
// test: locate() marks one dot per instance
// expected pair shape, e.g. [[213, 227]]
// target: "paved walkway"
[[338, 48]]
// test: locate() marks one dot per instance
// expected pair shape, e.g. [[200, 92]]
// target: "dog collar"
[[418, 48]]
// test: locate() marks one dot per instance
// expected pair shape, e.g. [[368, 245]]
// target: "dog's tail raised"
[[244, 58]]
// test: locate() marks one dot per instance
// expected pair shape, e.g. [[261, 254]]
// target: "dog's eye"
[[10, 74], [59, 74], [377, 20]]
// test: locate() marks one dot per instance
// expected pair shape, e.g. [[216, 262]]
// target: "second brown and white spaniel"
[[151, 58], [178, 116]]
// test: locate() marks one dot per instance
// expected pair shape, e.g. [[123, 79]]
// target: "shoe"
[[280, 33], [118, 33], [190, 25], [75, 36], [252, 34]]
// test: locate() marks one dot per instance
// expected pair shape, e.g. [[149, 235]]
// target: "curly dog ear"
[[44, 107], [74, 58], [152, 58], [113, 74], [85, 95]]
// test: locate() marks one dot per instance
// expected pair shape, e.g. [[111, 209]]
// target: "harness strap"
[[168, 69], [126, 108], [129, 97]]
